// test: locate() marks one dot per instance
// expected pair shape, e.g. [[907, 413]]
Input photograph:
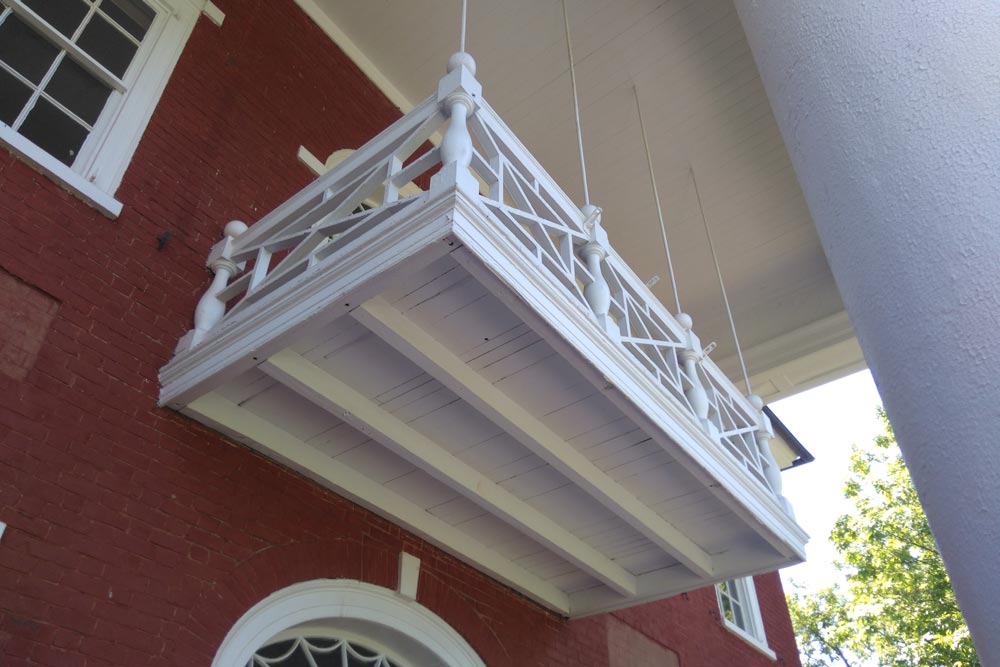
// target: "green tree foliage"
[[897, 608], [822, 628]]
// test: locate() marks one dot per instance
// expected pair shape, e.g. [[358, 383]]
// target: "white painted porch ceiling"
[[704, 106]]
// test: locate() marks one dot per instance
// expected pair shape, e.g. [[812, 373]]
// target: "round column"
[[890, 111]]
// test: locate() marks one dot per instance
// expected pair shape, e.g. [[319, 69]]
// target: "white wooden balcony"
[[476, 363]]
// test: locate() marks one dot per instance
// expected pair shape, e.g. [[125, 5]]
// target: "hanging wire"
[[722, 284], [656, 198], [576, 106], [461, 41]]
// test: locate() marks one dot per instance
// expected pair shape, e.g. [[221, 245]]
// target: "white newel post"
[[695, 390], [594, 252], [764, 434], [458, 94], [210, 307], [888, 110]]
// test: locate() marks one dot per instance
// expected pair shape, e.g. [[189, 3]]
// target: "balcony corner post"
[[211, 308], [458, 94], [764, 434], [594, 252], [690, 356]]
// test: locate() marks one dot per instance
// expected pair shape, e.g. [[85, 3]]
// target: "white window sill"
[[750, 639], [60, 173]]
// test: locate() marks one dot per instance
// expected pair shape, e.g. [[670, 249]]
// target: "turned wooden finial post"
[[594, 252], [764, 434], [690, 355], [210, 307], [458, 94]]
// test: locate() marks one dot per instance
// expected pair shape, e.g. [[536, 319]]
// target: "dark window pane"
[[25, 50], [13, 96], [78, 90], [63, 15], [364, 650], [133, 15], [108, 46], [276, 649], [54, 132]]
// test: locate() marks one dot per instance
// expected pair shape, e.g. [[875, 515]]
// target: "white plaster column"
[[890, 111]]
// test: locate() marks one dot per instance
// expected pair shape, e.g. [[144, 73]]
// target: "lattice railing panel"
[[357, 195], [737, 421]]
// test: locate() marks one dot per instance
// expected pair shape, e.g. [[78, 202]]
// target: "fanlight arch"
[[368, 620]]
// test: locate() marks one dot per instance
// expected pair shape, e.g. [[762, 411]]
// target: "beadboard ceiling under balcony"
[[540, 479], [705, 108]]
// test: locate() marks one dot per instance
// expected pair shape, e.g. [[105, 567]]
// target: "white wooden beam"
[[247, 427], [323, 389], [423, 349], [676, 579]]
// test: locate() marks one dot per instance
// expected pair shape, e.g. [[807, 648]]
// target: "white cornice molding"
[[340, 38], [792, 345]]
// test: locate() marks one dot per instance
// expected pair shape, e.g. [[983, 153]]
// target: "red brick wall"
[[691, 625], [137, 537]]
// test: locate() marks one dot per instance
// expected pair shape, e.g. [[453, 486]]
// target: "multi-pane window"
[[79, 80], [60, 63], [738, 604]]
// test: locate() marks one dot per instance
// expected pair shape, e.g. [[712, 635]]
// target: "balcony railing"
[[480, 155]]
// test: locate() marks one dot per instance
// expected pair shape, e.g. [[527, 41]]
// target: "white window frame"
[[98, 169], [744, 591]]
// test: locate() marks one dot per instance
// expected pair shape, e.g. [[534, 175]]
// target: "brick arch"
[[222, 601]]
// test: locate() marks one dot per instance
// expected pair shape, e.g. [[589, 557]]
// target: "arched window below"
[[313, 647], [342, 623]]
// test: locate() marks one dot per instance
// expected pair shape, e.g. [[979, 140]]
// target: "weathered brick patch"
[[25, 315]]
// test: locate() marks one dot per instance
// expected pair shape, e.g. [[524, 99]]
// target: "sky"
[[827, 421]]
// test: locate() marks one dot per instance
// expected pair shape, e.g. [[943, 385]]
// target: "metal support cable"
[[656, 198], [722, 284], [461, 41], [576, 106]]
